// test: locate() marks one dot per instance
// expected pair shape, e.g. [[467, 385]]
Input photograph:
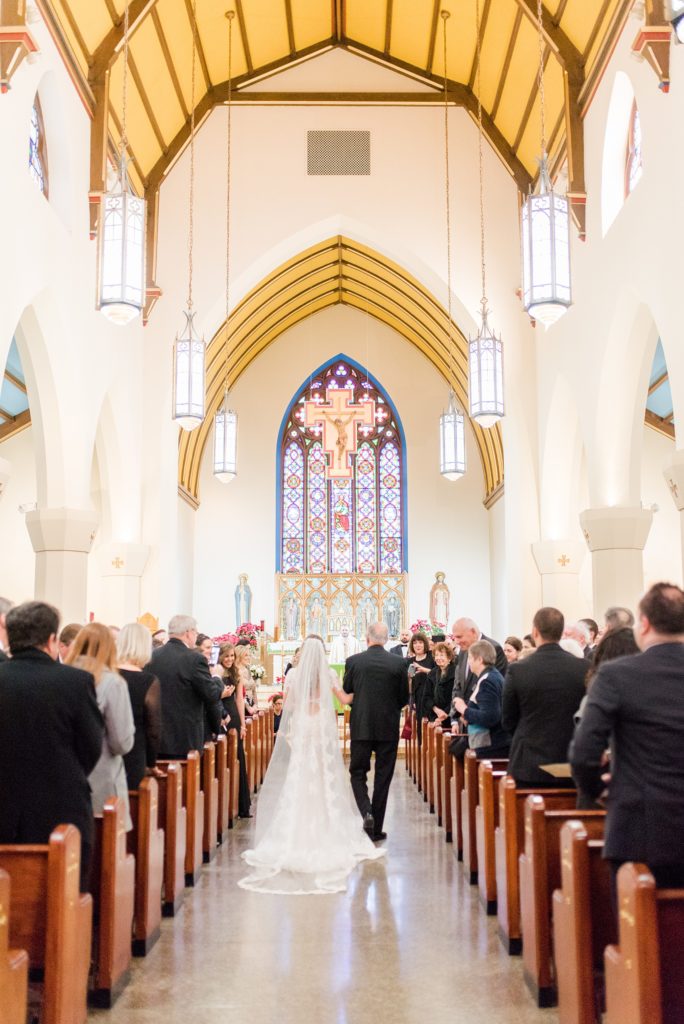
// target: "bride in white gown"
[[309, 836]]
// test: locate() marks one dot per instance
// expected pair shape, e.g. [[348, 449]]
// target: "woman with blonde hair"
[[233, 697], [243, 657], [94, 650], [133, 652]]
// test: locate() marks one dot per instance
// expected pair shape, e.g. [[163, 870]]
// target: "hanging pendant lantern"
[[121, 241], [452, 454], [225, 443], [485, 375], [188, 375], [547, 292]]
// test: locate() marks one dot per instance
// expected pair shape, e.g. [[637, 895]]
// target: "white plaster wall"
[[235, 525], [663, 551], [17, 560]]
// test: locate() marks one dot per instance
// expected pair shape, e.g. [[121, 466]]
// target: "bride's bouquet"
[[257, 672]]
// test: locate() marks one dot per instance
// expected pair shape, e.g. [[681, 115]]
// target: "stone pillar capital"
[[616, 528], [564, 556], [120, 558], [674, 476], [62, 529]]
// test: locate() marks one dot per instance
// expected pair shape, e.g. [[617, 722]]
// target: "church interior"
[[320, 312]]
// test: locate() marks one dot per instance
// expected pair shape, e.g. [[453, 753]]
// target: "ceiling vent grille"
[[335, 152]]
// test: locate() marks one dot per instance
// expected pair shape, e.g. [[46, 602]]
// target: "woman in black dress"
[[420, 665], [441, 681], [233, 697], [133, 652]]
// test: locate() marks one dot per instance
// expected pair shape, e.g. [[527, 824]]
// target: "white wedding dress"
[[309, 834]]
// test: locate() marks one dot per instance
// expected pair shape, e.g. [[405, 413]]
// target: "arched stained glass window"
[[634, 164], [342, 526], [38, 166]]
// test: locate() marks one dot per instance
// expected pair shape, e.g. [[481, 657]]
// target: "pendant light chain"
[[191, 226], [230, 16], [542, 96], [452, 367], [483, 301], [124, 85]]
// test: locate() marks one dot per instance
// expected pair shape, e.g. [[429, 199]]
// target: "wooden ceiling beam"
[[17, 423], [507, 63], [563, 48], [483, 28], [16, 381], [433, 35], [194, 28], [657, 382], [173, 74], [106, 52], [290, 27], [243, 36], [135, 75], [388, 26], [530, 103]]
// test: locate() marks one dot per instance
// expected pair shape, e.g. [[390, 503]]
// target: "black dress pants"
[[359, 765]]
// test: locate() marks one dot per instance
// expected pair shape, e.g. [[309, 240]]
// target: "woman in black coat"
[[441, 681], [482, 714], [133, 652], [420, 665]]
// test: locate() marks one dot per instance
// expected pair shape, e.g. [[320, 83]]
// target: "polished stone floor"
[[408, 942]]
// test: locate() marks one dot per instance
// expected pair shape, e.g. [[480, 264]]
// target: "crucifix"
[[339, 419]]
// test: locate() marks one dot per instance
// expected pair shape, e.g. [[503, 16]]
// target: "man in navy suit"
[[636, 707]]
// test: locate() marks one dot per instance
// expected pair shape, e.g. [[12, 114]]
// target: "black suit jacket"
[[399, 649], [51, 734], [464, 681], [636, 705], [188, 690], [540, 697], [379, 682]]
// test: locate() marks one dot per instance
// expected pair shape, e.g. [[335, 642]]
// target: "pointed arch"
[[337, 270]]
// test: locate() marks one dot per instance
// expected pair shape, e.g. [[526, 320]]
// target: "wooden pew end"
[[512, 946]]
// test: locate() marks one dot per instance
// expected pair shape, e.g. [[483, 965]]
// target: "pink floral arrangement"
[[249, 631], [427, 627], [225, 638]]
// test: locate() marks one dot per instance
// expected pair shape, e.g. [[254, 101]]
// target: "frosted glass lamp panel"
[[546, 257], [122, 256], [485, 374], [452, 443], [225, 445], [188, 410]]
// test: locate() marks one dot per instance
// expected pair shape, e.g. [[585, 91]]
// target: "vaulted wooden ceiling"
[[404, 35]]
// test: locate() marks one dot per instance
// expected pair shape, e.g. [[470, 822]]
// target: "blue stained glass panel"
[[317, 547], [366, 510], [293, 508], [390, 508], [341, 527]]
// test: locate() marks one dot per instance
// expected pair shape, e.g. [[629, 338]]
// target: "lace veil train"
[[309, 834]]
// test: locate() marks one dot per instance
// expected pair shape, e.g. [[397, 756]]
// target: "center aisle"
[[408, 942]]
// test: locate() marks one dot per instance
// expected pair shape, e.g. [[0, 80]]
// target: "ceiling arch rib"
[[337, 270]]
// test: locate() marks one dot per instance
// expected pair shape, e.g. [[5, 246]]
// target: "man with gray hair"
[[188, 691], [376, 686], [618, 618], [465, 632], [5, 606], [580, 632]]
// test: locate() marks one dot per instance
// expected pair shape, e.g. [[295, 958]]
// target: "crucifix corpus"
[[339, 419]]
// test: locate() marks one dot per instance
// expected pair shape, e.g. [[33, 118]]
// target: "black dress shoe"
[[379, 837], [369, 824]]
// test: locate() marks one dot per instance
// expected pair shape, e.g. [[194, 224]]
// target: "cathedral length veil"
[[309, 835]]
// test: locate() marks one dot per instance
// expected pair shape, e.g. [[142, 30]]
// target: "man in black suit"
[[377, 683], [188, 690], [540, 697], [402, 647], [5, 606], [636, 707], [464, 633], [51, 734]]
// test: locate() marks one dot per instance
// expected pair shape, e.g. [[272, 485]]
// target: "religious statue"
[[342, 442], [315, 623], [291, 618], [439, 600], [243, 601]]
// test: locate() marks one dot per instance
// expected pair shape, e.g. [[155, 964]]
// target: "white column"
[[62, 539], [559, 563], [5, 473], [122, 566], [674, 475], [616, 538]]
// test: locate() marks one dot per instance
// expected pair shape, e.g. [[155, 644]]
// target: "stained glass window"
[[634, 165], [38, 149], [342, 526]]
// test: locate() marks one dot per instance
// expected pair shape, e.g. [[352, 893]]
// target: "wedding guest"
[[233, 698], [402, 647], [243, 658], [572, 646], [205, 645], [481, 714], [616, 618], [592, 626], [441, 684], [420, 665], [277, 711], [94, 651], [528, 643], [294, 662], [512, 648], [133, 652], [466, 632], [159, 638], [579, 631], [5, 606], [66, 639]]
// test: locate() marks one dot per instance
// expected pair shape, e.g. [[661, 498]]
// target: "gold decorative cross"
[[118, 563], [563, 560], [339, 419]]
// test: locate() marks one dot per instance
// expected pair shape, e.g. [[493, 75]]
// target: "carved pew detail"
[[486, 820], [146, 842], [172, 814], [14, 965], [234, 777], [210, 795], [447, 787], [509, 840], [469, 801], [114, 893], [223, 778], [194, 814], [52, 921]]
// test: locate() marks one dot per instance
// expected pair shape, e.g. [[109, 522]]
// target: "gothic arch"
[[337, 270]]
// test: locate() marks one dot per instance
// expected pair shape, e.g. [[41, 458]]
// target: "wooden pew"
[[234, 777], [146, 843], [210, 796], [539, 876], [423, 780], [258, 744], [194, 814], [172, 815], [405, 719], [469, 801], [430, 767], [223, 778], [583, 925], [14, 965], [509, 839], [248, 744], [644, 976], [113, 887], [457, 785], [413, 745], [486, 820], [447, 788], [437, 773], [52, 921]]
